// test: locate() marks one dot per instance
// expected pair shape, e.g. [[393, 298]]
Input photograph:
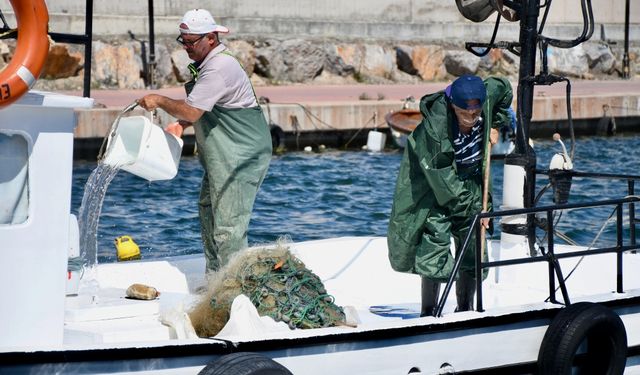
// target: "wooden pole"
[[485, 196]]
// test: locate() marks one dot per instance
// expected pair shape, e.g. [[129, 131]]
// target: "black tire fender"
[[244, 363], [589, 328], [277, 137]]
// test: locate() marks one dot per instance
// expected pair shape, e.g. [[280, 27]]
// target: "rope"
[[372, 119], [313, 118], [350, 262], [609, 219]]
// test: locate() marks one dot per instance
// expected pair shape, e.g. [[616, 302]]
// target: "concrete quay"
[[340, 116]]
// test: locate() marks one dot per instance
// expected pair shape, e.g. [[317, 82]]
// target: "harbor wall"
[[346, 124]]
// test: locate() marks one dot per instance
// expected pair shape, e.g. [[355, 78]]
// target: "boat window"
[[14, 182]]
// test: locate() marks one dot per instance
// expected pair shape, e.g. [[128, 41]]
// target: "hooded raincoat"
[[433, 200]]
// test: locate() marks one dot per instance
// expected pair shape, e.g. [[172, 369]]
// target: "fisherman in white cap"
[[232, 135]]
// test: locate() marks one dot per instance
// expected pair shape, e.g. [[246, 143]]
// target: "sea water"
[[308, 196]]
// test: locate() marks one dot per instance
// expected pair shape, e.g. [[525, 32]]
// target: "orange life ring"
[[31, 51]]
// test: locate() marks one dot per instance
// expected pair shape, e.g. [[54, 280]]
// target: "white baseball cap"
[[200, 21]]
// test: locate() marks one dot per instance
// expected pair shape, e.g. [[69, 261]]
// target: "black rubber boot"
[[430, 293], [465, 291]]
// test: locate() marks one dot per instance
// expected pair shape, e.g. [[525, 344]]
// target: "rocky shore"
[[123, 64]]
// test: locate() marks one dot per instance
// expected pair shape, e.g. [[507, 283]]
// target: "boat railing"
[[612, 176], [547, 253]]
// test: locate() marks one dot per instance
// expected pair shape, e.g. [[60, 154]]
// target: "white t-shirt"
[[223, 82]]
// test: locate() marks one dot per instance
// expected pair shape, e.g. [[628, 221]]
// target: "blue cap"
[[468, 87]]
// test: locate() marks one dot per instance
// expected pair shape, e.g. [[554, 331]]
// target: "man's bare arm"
[[176, 108]]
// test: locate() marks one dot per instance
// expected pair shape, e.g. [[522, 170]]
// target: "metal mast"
[[524, 156]]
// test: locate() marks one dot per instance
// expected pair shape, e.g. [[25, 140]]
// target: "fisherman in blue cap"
[[440, 184]]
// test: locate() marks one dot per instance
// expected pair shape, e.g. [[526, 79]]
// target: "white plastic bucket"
[[144, 149]]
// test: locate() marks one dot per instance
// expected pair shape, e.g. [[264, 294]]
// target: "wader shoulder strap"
[[226, 52], [193, 69]]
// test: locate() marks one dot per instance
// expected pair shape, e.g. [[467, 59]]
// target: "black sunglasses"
[[189, 43]]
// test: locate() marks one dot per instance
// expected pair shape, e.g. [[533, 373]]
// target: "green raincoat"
[[234, 147], [433, 201]]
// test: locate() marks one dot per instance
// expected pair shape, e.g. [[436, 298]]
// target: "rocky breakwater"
[[123, 64]]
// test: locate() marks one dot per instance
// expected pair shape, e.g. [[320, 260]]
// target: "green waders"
[[441, 225], [433, 256], [234, 147]]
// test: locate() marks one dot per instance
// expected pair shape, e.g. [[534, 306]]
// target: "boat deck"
[[354, 270]]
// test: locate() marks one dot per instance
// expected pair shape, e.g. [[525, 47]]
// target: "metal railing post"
[[625, 57], [619, 235], [84, 39], [151, 79], [479, 245], [551, 268], [632, 214], [88, 34]]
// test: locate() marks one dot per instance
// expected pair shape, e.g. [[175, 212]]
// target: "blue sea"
[[308, 196]]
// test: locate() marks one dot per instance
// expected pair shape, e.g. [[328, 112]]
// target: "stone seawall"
[[124, 64]]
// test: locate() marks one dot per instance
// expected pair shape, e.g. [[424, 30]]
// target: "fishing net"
[[278, 285]]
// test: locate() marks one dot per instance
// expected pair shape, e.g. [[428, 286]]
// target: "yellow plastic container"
[[126, 248]]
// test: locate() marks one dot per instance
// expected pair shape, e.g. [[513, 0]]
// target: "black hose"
[[547, 6], [570, 120], [469, 46], [587, 30], [143, 53], [540, 193]]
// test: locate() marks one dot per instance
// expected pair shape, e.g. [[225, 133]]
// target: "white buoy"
[[561, 160], [376, 141], [308, 149]]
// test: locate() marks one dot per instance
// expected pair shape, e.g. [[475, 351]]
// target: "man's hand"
[[149, 102], [485, 222], [494, 135], [176, 108], [177, 128]]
